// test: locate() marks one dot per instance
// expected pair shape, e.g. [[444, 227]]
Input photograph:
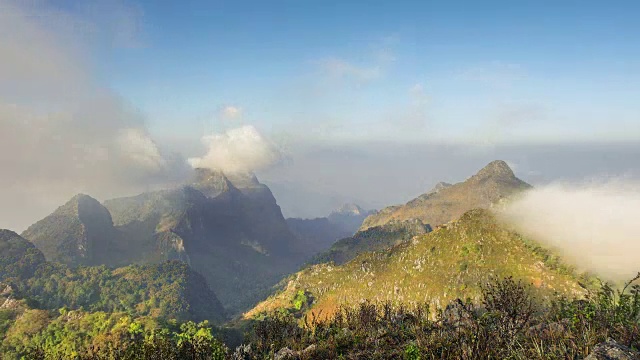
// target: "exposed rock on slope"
[[169, 289], [80, 232], [611, 350], [446, 202], [438, 267]]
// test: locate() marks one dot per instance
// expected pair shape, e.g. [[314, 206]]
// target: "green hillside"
[[438, 267], [372, 239], [169, 290], [18, 257]]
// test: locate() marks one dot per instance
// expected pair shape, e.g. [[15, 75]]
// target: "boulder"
[[611, 350]]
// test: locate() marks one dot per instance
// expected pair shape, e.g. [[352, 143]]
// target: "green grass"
[[438, 267]]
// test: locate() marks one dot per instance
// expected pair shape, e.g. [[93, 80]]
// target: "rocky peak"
[[89, 209], [349, 209], [497, 169], [211, 182]]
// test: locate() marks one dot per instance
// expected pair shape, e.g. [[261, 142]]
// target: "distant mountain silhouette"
[[320, 233]]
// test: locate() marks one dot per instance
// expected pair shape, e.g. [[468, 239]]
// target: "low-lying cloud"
[[61, 131], [596, 226], [238, 150]]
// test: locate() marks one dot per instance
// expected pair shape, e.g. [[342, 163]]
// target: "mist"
[[594, 225], [61, 130], [318, 178]]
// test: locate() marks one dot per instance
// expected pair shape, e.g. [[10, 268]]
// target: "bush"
[[506, 324]]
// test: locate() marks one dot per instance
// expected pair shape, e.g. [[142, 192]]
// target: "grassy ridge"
[[437, 268]]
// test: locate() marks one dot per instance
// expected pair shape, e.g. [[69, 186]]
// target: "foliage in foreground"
[[96, 336], [506, 324]]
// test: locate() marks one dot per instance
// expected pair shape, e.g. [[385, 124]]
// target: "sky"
[[328, 101], [497, 71]]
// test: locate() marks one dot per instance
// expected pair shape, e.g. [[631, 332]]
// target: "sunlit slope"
[[440, 266], [446, 202]]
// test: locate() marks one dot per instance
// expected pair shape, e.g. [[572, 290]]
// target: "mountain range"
[[232, 240], [229, 228], [442, 204]]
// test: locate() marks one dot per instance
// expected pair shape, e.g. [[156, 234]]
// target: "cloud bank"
[[594, 225], [238, 150], [61, 130]]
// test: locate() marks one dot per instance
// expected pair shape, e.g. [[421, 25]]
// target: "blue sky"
[[482, 71]]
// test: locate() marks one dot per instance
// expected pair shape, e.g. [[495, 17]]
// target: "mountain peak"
[[490, 185], [349, 209], [76, 233], [495, 169], [211, 182], [84, 201], [215, 182]]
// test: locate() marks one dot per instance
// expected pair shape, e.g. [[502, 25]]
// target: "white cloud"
[[61, 131], [594, 225], [137, 145], [241, 149]]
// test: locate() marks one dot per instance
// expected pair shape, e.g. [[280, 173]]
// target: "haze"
[[329, 104]]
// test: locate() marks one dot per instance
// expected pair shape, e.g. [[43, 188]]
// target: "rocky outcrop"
[[611, 350]]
